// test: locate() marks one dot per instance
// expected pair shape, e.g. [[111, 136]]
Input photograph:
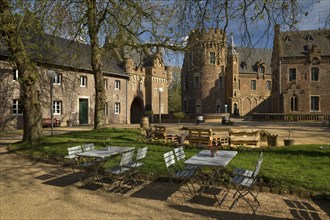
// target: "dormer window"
[[244, 65], [261, 69], [309, 37], [288, 39]]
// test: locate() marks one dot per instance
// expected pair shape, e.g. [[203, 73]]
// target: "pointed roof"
[[297, 43], [52, 50]]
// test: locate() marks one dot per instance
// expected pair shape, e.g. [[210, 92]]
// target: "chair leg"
[[242, 195]]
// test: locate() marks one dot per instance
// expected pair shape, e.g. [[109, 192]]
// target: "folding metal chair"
[[120, 173], [135, 165], [184, 176], [87, 147], [78, 164], [244, 172], [244, 186], [180, 155]]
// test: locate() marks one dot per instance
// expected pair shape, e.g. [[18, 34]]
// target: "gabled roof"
[[249, 57], [48, 49], [295, 44]]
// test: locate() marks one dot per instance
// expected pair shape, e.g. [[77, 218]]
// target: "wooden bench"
[[200, 137], [47, 122], [249, 137], [159, 132]]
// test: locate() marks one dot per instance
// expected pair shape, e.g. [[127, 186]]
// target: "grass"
[[294, 168]]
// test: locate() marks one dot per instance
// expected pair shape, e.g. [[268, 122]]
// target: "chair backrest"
[[142, 153], [87, 147], [261, 156], [73, 151], [126, 158], [179, 153], [258, 166], [169, 159]]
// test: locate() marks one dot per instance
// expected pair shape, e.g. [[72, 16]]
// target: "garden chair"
[[120, 173], [244, 186], [180, 156], [244, 172], [72, 152], [81, 165], [184, 176], [140, 155], [88, 147]]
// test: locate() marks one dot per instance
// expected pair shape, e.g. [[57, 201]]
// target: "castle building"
[[301, 72], [219, 78], [130, 90]]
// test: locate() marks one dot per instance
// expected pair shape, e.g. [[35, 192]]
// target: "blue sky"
[[316, 17]]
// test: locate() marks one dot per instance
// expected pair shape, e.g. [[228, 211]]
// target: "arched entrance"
[[136, 110]]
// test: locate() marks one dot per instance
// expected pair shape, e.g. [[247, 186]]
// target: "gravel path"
[[33, 190]]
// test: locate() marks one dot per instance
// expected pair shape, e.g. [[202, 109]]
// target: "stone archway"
[[137, 110]]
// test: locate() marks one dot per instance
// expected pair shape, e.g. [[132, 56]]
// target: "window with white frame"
[[117, 84], [315, 103], [17, 107], [83, 81], [253, 85], [268, 85], [58, 79], [15, 74], [57, 107], [117, 108]]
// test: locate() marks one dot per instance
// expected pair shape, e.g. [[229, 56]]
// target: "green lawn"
[[295, 167]]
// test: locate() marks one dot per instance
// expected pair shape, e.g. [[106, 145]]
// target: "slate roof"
[[248, 57], [294, 44], [48, 49]]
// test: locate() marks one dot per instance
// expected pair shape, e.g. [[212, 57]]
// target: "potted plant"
[[288, 141]]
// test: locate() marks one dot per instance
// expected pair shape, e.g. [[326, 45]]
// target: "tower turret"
[[203, 62]]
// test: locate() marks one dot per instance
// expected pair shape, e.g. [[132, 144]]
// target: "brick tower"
[[203, 72]]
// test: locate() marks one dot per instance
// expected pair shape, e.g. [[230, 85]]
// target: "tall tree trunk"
[[28, 76], [93, 29]]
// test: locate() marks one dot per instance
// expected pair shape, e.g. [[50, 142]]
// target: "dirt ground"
[[33, 190]]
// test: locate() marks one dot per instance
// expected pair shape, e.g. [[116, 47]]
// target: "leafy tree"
[[19, 20], [174, 102]]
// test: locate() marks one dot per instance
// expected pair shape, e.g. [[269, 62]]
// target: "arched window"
[[294, 103]]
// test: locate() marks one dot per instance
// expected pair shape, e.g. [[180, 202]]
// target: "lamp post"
[[51, 75], [160, 90]]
